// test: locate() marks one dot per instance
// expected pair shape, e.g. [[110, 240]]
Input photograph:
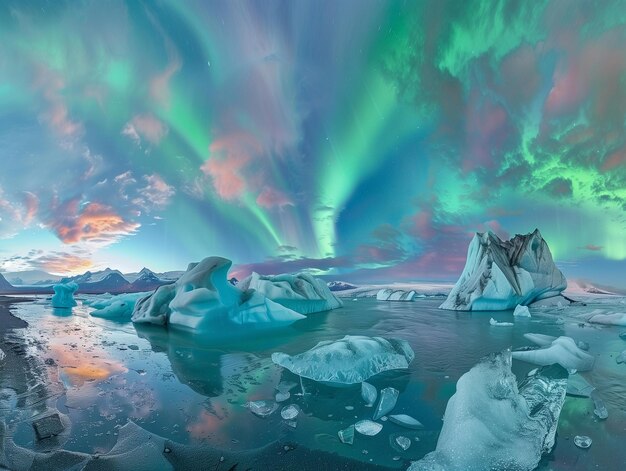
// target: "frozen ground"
[[98, 374]]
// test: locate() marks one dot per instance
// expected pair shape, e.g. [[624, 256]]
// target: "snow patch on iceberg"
[[302, 292], [491, 423], [499, 275]]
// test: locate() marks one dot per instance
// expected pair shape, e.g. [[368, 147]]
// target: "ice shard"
[[388, 399]]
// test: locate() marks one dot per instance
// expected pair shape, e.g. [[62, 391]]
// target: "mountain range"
[[104, 281]]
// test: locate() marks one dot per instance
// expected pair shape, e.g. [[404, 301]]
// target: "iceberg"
[[499, 275], [116, 307], [540, 339], [563, 351], [302, 292], [492, 423], [203, 300], [350, 360], [64, 295], [521, 311], [616, 318], [387, 294]]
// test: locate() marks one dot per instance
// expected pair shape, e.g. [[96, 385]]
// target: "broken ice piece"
[[349, 407], [388, 398], [285, 386], [282, 396], [599, 408], [494, 322], [622, 335], [406, 421], [403, 442], [47, 427], [289, 412], [621, 358], [347, 435], [368, 427], [578, 386], [369, 394], [582, 441], [262, 408], [291, 423]]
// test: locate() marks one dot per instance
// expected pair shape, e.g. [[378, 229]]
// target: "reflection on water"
[[193, 390]]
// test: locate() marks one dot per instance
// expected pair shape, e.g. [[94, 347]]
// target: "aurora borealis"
[[366, 140]]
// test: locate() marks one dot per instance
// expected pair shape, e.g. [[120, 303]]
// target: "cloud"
[[57, 114], [593, 248], [272, 198], [559, 187], [228, 157], [92, 222], [156, 194], [62, 263], [145, 126]]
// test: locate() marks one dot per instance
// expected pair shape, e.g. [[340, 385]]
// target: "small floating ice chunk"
[[2, 355], [282, 397], [582, 441], [285, 386], [405, 421], [347, 435], [403, 442], [521, 311], [563, 351], [262, 408], [289, 412], [368, 427], [388, 398], [578, 386], [349, 407], [369, 394], [494, 322], [622, 335], [621, 358], [599, 409]]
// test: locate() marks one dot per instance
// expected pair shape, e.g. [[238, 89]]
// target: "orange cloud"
[[63, 263], [95, 222]]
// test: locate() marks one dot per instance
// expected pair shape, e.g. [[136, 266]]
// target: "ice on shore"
[[499, 275], [350, 360], [387, 294], [491, 423], [202, 300], [115, 307], [563, 351], [64, 295], [302, 292]]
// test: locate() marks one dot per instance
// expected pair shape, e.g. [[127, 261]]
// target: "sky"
[[365, 140]]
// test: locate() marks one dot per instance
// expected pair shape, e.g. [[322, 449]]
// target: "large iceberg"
[[64, 295], [302, 292], [499, 275], [350, 360], [490, 423], [203, 300]]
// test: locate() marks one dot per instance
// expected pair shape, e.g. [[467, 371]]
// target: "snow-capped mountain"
[[147, 280], [339, 286]]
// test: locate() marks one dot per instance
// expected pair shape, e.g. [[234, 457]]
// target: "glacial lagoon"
[[99, 374]]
